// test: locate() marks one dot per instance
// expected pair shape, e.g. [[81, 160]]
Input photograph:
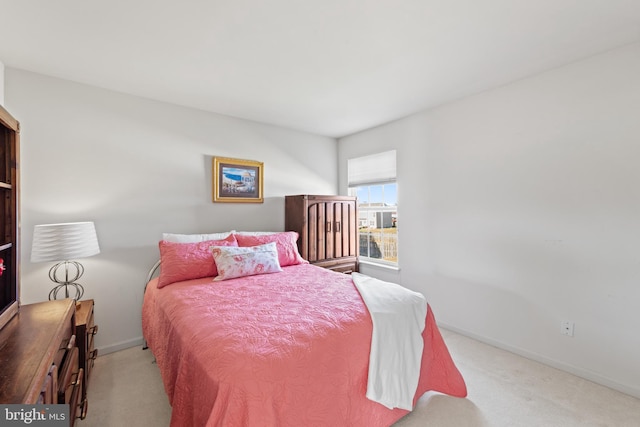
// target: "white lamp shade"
[[62, 242]]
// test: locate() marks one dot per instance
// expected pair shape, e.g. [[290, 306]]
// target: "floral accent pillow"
[[186, 261], [285, 242], [235, 262]]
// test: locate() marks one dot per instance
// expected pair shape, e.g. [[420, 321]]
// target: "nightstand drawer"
[[70, 385], [346, 265], [92, 352], [68, 376], [86, 330]]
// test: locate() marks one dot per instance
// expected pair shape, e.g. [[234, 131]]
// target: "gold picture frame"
[[237, 181]]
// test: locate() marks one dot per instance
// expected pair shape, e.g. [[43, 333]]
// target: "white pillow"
[[195, 238], [256, 233], [233, 262]]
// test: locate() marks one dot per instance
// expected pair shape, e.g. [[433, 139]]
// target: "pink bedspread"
[[283, 349]]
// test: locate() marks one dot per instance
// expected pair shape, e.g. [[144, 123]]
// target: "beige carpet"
[[504, 390]]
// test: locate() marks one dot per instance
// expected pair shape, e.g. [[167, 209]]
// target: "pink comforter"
[[283, 349]]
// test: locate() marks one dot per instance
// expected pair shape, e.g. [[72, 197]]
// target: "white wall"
[[139, 168], [520, 207]]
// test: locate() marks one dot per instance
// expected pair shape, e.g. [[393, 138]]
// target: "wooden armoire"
[[328, 229]]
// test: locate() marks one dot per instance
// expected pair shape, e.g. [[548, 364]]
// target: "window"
[[373, 180]]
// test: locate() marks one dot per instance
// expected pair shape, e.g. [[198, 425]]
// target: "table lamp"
[[61, 243]]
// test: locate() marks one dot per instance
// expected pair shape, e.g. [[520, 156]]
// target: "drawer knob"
[[93, 330], [84, 406], [93, 354], [69, 344], [77, 381]]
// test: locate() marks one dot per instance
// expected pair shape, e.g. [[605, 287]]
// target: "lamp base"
[[70, 268], [76, 287]]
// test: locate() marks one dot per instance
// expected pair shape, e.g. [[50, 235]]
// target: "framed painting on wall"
[[236, 180]]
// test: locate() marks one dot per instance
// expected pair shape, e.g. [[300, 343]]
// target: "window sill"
[[381, 266]]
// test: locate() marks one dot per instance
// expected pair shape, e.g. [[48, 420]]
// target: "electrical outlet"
[[566, 328]]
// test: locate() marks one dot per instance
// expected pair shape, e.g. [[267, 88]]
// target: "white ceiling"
[[330, 67]]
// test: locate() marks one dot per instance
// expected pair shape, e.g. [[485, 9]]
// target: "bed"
[[284, 347]]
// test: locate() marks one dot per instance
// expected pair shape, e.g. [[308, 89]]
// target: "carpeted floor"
[[504, 390]]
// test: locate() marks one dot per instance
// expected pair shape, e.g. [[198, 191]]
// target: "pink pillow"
[[185, 261], [247, 261], [285, 242]]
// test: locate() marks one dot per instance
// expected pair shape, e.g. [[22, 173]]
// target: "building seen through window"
[[378, 222]]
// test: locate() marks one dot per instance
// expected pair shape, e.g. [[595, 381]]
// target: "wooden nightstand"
[[86, 329], [40, 358]]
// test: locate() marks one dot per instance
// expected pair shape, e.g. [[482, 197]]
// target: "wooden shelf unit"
[[9, 216]]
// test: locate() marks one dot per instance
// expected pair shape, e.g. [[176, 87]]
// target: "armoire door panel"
[[311, 244], [329, 232], [351, 235], [337, 234]]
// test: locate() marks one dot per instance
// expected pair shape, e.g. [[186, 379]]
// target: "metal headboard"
[[150, 276], [151, 273]]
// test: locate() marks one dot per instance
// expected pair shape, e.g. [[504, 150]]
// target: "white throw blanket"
[[398, 316]]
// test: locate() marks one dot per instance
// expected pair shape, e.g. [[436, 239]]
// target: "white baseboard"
[[582, 373], [120, 346]]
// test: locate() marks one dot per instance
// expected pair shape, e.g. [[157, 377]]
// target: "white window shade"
[[373, 169]]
